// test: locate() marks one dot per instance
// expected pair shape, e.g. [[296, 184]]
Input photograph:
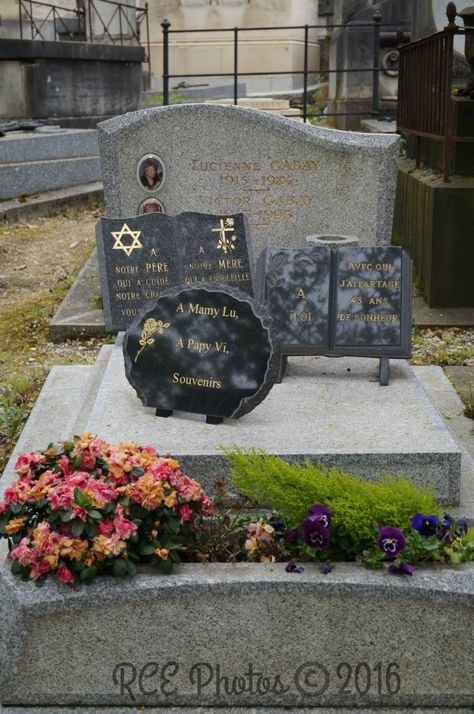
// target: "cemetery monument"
[[244, 635]]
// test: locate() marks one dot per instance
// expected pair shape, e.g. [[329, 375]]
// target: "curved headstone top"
[[289, 179]]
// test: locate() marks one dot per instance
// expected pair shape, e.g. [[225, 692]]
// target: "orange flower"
[[73, 548], [107, 546], [83, 441], [162, 553], [14, 525], [126, 491], [52, 559], [149, 492], [171, 499], [40, 489]]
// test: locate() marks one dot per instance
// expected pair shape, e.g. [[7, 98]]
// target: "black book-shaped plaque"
[[294, 283], [203, 350], [141, 256], [353, 301], [371, 302]]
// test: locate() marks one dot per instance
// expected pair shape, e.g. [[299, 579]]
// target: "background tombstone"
[[289, 179]]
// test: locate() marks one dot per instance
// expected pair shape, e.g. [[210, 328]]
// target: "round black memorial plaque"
[[205, 350]]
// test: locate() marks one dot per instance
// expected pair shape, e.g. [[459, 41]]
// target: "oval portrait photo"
[[151, 205], [151, 172]]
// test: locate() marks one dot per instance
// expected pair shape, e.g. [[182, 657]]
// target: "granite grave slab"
[[201, 350], [143, 255], [290, 180]]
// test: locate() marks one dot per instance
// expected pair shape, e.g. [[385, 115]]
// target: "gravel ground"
[[448, 346]]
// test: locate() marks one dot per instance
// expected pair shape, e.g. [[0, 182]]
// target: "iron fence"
[[375, 26], [424, 89], [89, 15]]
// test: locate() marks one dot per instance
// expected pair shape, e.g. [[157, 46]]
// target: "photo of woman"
[[151, 172]]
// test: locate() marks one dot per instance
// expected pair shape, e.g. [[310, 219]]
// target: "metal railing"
[[374, 26], [88, 16], [424, 89]]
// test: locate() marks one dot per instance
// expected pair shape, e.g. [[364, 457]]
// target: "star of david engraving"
[[224, 243], [126, 231]]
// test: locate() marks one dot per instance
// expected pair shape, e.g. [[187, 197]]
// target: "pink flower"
[[124, 527], [101, 492], [185, 512], [25, 461], [105, 527], [64, 574], [39, 568], [78, 479], [88, 460], [23, 553], [65, 465], [207, 507], [18, 492], [78, 512], [61, 497]]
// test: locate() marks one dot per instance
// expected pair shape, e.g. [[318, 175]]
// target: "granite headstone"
[[142, 255], [289, 179], [201, 350]]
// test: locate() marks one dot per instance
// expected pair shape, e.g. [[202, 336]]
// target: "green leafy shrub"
[[358, 506]]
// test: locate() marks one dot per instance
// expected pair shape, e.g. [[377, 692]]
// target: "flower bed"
[[87, 508]]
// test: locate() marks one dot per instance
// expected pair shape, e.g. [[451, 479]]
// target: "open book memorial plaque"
[[353, 301]]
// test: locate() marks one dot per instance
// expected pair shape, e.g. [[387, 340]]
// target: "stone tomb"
[[142, 256], [201, 350], [290, 180], [345, 301], [355, 640]]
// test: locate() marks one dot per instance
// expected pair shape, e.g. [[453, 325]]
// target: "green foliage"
[[16, 398], [469, 402], [358, 506], [157, 99]]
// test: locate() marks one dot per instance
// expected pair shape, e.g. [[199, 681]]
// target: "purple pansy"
[[450, 529], [291, 535], [277, 523], [323, 514], [391, 541], [325, 568], [291, 567], [401, 569], [462, 527], [314, 533], [425, 525]]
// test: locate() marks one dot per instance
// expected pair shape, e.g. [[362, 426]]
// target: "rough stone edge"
[[328, 138], [226, 710], [443, 585], [247, 403]]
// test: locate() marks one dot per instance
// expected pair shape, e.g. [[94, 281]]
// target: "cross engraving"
[[224, 243]]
